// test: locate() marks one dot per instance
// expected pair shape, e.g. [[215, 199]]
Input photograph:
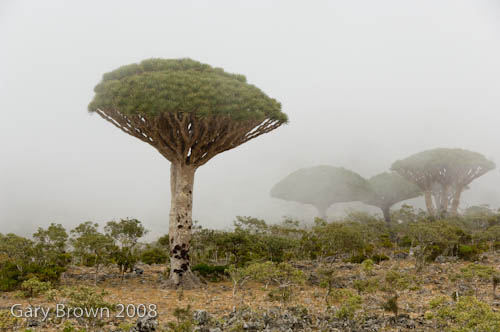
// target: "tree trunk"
[[443, 204], [181, 185], [386, 210], [322, 211], [96, 273], [456, 201], [428, 202]]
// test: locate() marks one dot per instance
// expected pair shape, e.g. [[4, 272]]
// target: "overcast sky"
[[364, 83]]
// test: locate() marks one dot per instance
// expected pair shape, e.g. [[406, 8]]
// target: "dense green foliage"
[[155, 86], [126, 234], [359, 238], [44, 258]]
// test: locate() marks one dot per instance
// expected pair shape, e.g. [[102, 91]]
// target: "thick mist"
[[364, 83]]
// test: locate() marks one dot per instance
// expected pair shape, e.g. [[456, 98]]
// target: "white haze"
[[364, 83]]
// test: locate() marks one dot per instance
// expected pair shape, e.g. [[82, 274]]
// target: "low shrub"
[[357, 259], [154, 256], [212, 272], [467, 252], [467, 314], [377, 258]]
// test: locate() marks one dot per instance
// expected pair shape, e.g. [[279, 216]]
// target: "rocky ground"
[[214, 308]]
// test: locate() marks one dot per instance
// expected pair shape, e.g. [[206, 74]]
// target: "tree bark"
[[456, 201], [443, 204], [181, 185], [386, 210], [428, 202]]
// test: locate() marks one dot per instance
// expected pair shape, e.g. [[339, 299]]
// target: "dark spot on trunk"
[[185, 266], [184, 253], [179, 226], [189, 227]]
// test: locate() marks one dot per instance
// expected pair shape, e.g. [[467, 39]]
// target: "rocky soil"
[[215, 309]]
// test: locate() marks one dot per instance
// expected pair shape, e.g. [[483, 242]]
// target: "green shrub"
[[34, 287], [398, 281], [476, 272], [467, 315], [367, 266], [154, 256], [185, 322], [348, 303], [357, 259], [212, 272], [391, 305], [10, 277], [89, 299], [281, 294], [349, 307], [366, 285], [405, 242], [467, 252], [377, 258]]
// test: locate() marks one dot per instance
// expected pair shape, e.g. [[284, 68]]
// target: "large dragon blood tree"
[[443, 174], [189, 112], [322, 186]]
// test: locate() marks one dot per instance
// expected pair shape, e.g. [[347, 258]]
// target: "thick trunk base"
[[386, 211], [188, 281], [429, 204]]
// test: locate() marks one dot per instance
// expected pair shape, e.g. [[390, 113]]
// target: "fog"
[[364, 83]]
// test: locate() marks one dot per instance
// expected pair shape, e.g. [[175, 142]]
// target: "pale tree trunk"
[[443, 204], [456, 201], [386, 210], [181, 184], [96, 273], [428, 202]]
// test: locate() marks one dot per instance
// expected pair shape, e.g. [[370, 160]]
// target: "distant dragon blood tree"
[[443, 174], [189, 112], [322, 186], [389, 189]]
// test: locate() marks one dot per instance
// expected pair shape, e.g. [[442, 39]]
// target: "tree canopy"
[[187, 110], [389, 189], [322, 186], [451, 170]]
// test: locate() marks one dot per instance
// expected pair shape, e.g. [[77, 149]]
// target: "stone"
[[145, 324], [201, 317]]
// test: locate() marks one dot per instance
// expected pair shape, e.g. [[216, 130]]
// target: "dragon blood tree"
[[322, 186], [443, 174], [189, 112], [389, 189]]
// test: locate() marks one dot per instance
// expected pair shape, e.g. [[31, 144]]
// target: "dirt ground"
[[218, 300]]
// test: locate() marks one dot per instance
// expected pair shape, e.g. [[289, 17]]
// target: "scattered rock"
[[33, 323], [201, 317], [146, 324]]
